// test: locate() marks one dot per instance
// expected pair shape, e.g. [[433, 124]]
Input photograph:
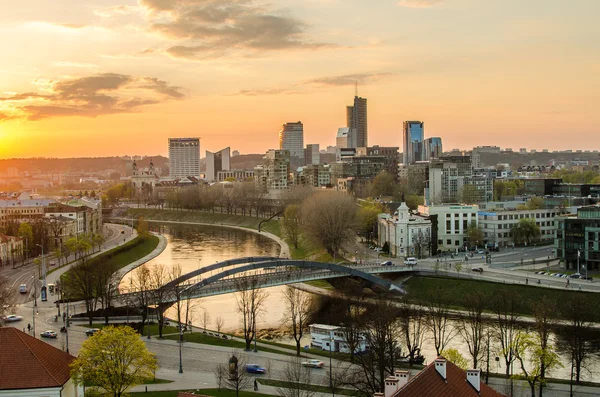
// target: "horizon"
[[82, 80]]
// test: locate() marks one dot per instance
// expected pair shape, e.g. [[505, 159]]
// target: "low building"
[[333, 338], [441, 378], [314, 175], [22, 209], [453, 221], [32, 368], [577, 239], [11, 250], [406, 234], [540, 186], [238, 175]]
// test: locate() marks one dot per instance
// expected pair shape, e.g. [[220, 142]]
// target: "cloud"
[[208, 29], [68, 64], [92, 96], [420, 3], [110, 12]]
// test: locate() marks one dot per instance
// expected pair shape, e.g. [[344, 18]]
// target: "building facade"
[[238, 175], [389, 153], [496, 225], [184, 157], [577, 239], [11, 250], [447, 178], [453, 221], [412, 137], [274, 174], [312, 155], [333, 338], [291, 138], [216, 162], [432, 148], [356, 120], [406, 234]]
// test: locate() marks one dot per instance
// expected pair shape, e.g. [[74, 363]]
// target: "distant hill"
[[80, 164], [246, 161], [516, 159]]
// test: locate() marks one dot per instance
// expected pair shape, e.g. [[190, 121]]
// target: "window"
[[448, 242]]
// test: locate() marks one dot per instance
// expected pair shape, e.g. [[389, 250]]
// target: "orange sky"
[[114, 77]]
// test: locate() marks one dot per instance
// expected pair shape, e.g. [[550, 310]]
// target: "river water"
[[194, 246]]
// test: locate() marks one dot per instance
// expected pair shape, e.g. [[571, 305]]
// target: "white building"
[[342, 141], [453, 221], [332, 337], [216, 162], [184, 157], [291, 138], [405, 233]]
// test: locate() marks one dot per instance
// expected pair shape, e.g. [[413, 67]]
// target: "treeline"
[[83, 164]]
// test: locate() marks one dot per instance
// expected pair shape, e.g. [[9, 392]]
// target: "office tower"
[[312, 154], [433, 148], [342, 140], [356, 120], [413, 141], [184, 157], [291, 138], [215, 162]]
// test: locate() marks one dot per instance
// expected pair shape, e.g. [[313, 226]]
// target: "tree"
[[468, 194], [474, 234], [297, 311], [438, 318], [412, 327], [506, 306], [80, 283], [383, 185], [140, 283], [26, 233], [205, 319], [472, 327], [219, 322], [329, 219], [413, 201], [458, 266], [105, 286], [234, 375], [367, 217], [291, 223], [142, 227], [456, 358], [114, 360], [528, 346], [159, 276], [297, 378], [250, 300], [6, 298], [544, 312], [526, 229], [535, 203]]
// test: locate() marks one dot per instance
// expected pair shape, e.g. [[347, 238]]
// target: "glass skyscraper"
[[413, 134], [433, 148]]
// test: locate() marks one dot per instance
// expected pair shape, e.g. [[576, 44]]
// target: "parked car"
[[477, 269], [480, 252], [12, 318], [410, 261], [48, 334], [23, 288], [540, 272], [586, 278], [576, 275], [255, 369], [313, 363], [91, 331], [387, 263]]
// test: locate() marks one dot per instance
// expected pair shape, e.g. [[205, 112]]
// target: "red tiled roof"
[[429, 383], [29, 363]]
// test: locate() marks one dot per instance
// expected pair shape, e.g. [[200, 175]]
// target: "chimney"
[[474, 378], [378, 394], [440, 367], [391, 386], [402, 377]]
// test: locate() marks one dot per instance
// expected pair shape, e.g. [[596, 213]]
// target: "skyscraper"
[[184, 157], [215, 162], [433, 148], [312, 154], [413, 141], [291, 138], [356, 120]]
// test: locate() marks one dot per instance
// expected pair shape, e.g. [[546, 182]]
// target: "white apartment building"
[[453, 221], [291, 138], [184, 157], [405, 233], [496, 225]]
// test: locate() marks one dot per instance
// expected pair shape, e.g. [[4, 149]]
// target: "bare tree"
[[105, 286], [545, 312], [235, 376], [329, 219], [80, 283], [412, 326], [472, 327], [174, 273], [159, 276], [140, 285], [6, 298], [506, 306], [298, 378], [298, 308], [438, 317], [205, 320], [291, 223], [219, 322], [220, 373], [250, 300]]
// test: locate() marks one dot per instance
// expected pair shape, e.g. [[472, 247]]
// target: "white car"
[[410, 261], [23, 288], [313, 363], [12, 318]]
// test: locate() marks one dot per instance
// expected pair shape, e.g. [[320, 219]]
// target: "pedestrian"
[[255, 385], [526, 281], [29, 328]]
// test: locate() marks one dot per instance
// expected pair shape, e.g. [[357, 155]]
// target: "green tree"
[[474, 234], [114, 360], [383, 185], [413, 201], [535, 203], [291, 223], [468, 194], [525, 230], [142, 227], [456, 358], [528, 346], [26, 233], [367, 217]]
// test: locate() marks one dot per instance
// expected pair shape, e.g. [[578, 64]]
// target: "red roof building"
[[31, 367], [441, 378]]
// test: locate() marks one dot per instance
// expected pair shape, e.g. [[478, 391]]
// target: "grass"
[[167, 329], [249, 222], [206, 392], [314, 388], [421, 288]]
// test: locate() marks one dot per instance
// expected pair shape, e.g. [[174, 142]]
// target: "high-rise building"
[[342, 140], [184, 157], [392, 157], [274, 173], [356, 120], [215, 162], [312, 154], [432, 148], [412, 137], [291, 138]]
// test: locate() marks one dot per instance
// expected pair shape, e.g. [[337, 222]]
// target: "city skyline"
[[122, 76]]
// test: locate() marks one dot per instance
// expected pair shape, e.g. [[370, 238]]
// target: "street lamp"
[[180, 347], [34, 308], [43, 265]]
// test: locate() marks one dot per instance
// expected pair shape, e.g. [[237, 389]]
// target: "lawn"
[[206, 392], [153, 328], [421, 288]]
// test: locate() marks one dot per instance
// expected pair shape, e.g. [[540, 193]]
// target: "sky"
[[85, 78]]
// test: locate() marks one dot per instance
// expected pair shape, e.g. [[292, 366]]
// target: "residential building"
[[483, 187], [390, 153], [413, 136], [333, 338], [360, 169], [356, 121], [312, 155], [406, 234], [417, 177], [540, 186], [31, 367], [441, 378], [184, 157], [432, 148], [291, 138], [403, 173], [447, 178], [315, 175], [453, 221], [22, 209], [496, 225], [274, 174], [238, 175], [577, 239], [215, 162], [11, 250]]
